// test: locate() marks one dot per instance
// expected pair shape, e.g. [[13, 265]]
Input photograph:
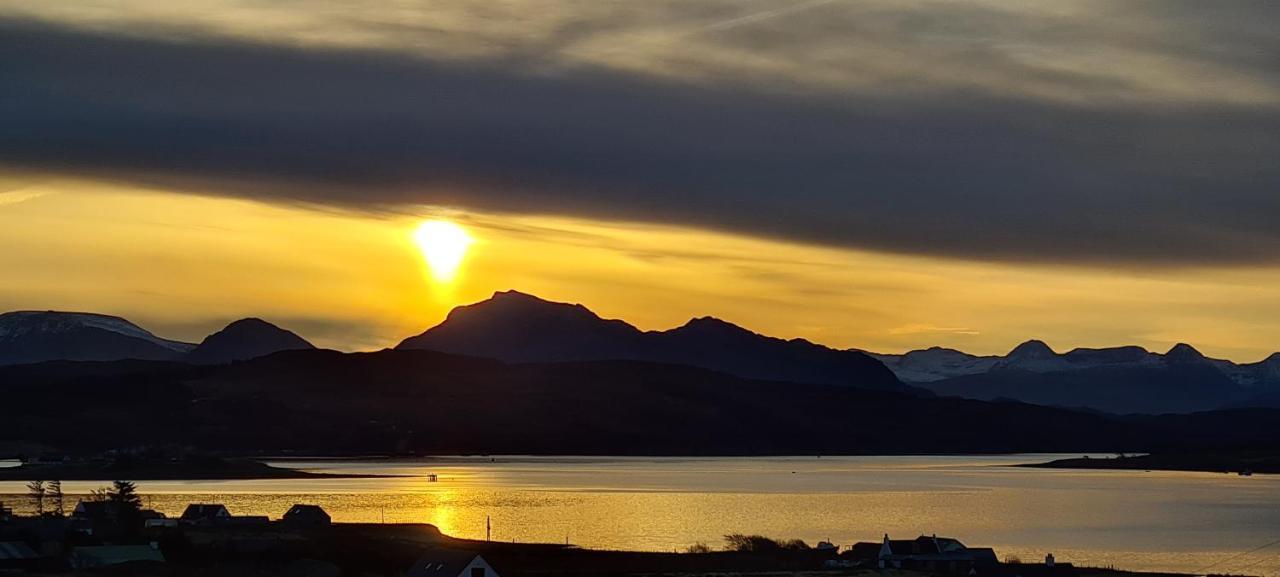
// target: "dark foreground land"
[[337, 550], [157, 470], [1236, 462], [410, 402]]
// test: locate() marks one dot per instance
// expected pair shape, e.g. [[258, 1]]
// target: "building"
[[205, 514], [451, 563], [306, 516], [926, 553]]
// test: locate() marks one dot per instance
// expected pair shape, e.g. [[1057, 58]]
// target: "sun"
[[443, 245]]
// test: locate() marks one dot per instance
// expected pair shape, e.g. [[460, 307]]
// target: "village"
[[111, 533]]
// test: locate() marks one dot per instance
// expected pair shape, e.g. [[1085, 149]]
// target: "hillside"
[[422, 402]]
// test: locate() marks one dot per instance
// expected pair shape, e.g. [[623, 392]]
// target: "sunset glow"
[[444, 245]]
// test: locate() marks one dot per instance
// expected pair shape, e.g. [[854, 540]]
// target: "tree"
[[55, 495], [36, 490], [125, 496], [698, 548]]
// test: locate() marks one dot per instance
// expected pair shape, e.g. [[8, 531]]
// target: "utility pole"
[[488, 529]]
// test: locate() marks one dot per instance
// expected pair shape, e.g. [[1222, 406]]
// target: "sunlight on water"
[[1132, 520]]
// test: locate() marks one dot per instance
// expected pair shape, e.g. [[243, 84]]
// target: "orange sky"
[[183, 265]]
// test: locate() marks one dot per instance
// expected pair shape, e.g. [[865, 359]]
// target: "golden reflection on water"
[[1132, 520]]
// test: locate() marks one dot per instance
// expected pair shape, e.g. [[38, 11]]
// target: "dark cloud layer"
[[952, 173]]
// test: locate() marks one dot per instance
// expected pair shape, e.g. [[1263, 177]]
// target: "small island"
[[1240, 462], [156, 469]]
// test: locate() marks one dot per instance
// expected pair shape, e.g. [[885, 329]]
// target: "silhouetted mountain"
[[424, 402], [245, 339], [1115, 388], [1117, 379], [36, 336], [517, 327], [1184, 353]]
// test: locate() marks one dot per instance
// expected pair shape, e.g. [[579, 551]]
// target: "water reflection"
[[1135, 520]]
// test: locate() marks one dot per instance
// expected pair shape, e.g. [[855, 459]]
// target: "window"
[[477, 572]]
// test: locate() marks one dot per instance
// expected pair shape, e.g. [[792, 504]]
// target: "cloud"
[[919, 328], [999, 149]]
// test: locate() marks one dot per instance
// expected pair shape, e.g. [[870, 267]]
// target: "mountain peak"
[[1183, 352], [712, 323], [516, 296], [245, 339], [1032, 349]]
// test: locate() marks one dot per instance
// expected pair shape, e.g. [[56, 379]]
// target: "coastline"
[[1243, 464], [201, 470]]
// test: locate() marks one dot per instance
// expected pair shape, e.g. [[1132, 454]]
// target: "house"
[[107, 555], [926, 553], [451, 563], [306, 516], [205, 514], [5, 513], [95, 510]]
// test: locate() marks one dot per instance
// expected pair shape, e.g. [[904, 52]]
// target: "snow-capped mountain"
[[38, 336], [1117, 379], [935, 364], [35, 336]]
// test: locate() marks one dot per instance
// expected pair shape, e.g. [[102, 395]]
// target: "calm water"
[[1132, 520]]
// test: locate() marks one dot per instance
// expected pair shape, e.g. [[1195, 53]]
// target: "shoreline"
[[215, 470], [1240, 464]]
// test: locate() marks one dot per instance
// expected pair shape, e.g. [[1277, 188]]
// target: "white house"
[[451, 563]]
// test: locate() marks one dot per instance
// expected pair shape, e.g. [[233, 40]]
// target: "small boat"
[[1246, 473]]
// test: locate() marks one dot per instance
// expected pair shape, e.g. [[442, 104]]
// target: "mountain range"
[[513, 327], [39, 336], [1126, 379], [516, 327]]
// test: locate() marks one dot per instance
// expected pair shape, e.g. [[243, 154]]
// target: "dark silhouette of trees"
[[698, 548], [36, 490], [55, 495], [124, 494], [761, 544]]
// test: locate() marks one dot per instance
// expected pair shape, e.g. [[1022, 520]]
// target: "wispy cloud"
[[922, 328]]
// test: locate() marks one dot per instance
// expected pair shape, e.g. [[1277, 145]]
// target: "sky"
[[885, 175]]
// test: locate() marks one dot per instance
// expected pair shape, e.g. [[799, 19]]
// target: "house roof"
[[865, 550], [15, 550], [204, 511], [95, 509], [442, 563], [306, 511]]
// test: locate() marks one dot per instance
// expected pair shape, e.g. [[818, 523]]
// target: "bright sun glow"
[[443, 245]]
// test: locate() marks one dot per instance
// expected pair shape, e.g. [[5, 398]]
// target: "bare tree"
[[55, 495], [36, 490]]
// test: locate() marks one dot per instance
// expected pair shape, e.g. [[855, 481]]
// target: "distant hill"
[[423, 402], [42, 336], [245, 339], [1121, 379], [36, 336], [517, 327]]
